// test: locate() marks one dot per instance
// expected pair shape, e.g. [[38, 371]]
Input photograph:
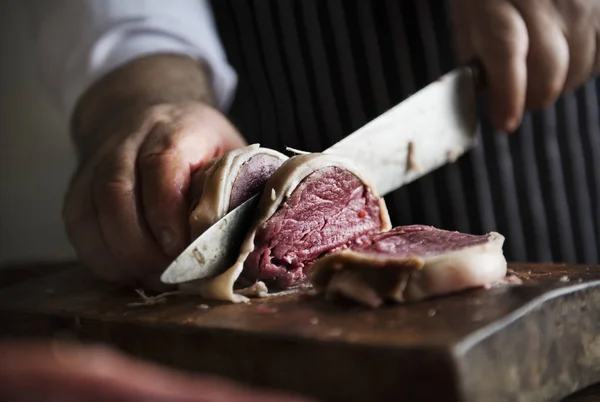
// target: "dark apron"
[[313, 71]]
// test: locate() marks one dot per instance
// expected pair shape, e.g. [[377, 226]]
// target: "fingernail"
[[168, 241]]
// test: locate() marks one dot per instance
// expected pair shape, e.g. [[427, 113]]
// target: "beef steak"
[[328, 209], [410, 263]]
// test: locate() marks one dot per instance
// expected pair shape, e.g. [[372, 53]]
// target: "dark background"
[[36, 157]]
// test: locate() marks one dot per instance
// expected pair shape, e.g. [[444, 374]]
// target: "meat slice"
[[228, 181], [312, 204], [410, 263], [328, 209]]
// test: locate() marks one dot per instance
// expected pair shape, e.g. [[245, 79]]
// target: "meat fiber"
[[410, 263], [228, 181]]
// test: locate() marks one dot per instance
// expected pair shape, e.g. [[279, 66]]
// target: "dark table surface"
[[36, 290]]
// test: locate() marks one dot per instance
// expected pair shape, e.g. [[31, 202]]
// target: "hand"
[[532, 50], [141, 131], [56, 372], [126, 209]]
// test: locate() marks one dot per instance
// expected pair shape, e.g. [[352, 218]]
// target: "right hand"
[[126, 208], [532, 51]]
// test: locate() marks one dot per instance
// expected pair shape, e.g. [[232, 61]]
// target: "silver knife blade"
[[203, 258], [429, 129], [433, 127]]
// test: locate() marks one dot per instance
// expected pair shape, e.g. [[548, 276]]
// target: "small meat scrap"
[[153, 300], [296, 151], [512, 280], [453, 154], [198, 256], [262, 309], [411, 161]]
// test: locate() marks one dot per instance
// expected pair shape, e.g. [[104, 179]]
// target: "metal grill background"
[[313, 71]]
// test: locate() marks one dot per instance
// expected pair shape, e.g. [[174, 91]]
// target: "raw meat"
[[328, 209], [313, 203], [228, 181], [319, 217], [410, 263]]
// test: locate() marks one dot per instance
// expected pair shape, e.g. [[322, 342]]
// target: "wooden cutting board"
[[538, 341]]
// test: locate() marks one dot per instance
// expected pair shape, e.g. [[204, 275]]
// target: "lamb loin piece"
[[228, 181], [327, 208], [410, 263], [312, 204]]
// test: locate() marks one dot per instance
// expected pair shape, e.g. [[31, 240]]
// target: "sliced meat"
[[410, 263], [228, 181], [328, 209], [313, 203]]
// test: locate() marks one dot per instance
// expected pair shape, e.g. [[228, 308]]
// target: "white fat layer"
[[350, 285], [284, 181], [296, 151], [462, 269], [216, 194]]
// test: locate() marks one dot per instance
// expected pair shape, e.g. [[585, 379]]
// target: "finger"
[[548, 57], [120, 215], [164, 167], [83, 229], [582, 45], [167, 159], [500, 40]]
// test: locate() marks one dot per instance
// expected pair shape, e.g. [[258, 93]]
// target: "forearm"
[[135, 86]]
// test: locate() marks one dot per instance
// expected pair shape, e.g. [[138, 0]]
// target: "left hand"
[[532, 50]]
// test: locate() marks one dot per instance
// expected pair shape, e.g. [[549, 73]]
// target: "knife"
[[429, 129]]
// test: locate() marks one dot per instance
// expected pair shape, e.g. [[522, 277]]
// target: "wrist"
[[133, 88]]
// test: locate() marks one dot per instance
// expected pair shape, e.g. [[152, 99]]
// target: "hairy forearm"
[[135, 86]]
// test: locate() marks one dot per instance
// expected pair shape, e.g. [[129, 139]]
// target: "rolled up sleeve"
[[78, 41]]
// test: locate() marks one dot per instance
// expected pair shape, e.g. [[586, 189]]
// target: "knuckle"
[[156, 113], [117, 186], [156, 160], [162, 148], [114, 177], [503, 37]]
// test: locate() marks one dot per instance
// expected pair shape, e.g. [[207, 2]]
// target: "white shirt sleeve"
[[80, 40]]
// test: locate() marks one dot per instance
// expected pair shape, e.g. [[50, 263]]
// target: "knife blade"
[[429, 129]]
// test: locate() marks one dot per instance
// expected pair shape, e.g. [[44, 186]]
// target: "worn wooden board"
[[539, 341]]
